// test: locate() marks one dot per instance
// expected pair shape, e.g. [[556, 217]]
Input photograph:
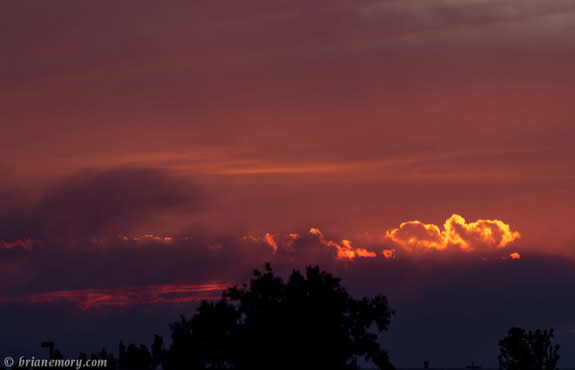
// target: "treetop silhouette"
[[532, 350], [308, 321]]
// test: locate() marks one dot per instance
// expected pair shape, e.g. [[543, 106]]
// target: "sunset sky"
[[423, 149]]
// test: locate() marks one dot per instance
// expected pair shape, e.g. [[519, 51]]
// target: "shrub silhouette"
[[521, 350]]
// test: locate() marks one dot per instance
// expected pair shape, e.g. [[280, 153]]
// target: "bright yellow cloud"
[[415, 235]]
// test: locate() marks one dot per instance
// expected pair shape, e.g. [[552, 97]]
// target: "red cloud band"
[[93, 298]]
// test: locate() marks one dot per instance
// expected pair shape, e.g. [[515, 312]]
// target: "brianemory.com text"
[[32, 362]]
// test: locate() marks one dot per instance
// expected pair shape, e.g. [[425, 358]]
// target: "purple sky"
[[147, 151]]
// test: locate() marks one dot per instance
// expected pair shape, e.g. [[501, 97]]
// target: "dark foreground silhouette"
[[309, 321], [532, 350]]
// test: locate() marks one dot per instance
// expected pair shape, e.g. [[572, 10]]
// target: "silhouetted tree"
[[309, 321], [53, 353], [134, 357], [206, 340], [157, 351], [111, 362], [528, 351]]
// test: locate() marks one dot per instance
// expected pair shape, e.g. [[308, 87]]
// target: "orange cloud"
[[388, 253], [415, 235], [267, 238], [514, 256], [270, 240], [26, 244], [345, 251], [147, 237]]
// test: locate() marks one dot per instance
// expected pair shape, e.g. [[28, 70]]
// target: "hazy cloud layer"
[[96, 203]]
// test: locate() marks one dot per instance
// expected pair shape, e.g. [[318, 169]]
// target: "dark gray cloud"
[[97, 203]]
